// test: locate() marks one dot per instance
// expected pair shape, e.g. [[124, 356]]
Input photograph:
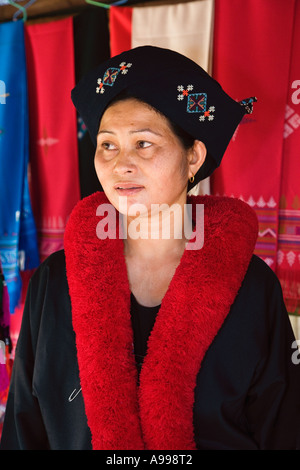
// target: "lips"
[[127, 185], [128, 188]]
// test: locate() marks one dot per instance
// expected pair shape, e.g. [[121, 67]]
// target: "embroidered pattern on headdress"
[[196, 102], [248, 104], [110, 76]]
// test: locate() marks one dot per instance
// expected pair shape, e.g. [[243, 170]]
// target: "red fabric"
[[53, 134], [288, 267], [252, 43], [159, 413], [120, 29]]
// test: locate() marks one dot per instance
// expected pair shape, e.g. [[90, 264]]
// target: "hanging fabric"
[[288, 262], [251, 57], [4, 311], [5, 346], [166, 26], [90, 34], [53, 136], [120, 29], [18, 239]]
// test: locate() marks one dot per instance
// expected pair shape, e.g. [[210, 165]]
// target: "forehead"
[[130, 112]]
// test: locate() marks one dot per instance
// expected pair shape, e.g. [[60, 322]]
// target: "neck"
[[162, 232]]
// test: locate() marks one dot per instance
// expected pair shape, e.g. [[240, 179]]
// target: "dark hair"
[[187, 141]]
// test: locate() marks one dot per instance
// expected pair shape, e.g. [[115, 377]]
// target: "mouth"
[[128, 188]]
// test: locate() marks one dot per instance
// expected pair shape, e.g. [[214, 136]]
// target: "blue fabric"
[[18, 237]]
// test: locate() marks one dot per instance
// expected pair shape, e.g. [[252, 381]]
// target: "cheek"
[[184, 166], [178, 167], [96, 161], [101, 169]]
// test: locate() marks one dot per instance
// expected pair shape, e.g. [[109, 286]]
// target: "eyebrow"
[[146, 129]]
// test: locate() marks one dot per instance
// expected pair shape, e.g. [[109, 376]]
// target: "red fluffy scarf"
[[122, 414]]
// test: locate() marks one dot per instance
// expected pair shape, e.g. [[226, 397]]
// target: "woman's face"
[[139, 156]]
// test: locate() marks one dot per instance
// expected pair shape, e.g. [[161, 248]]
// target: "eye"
[[108, 146], [143, 144]]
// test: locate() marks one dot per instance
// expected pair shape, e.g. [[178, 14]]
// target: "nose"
[[124, 163]]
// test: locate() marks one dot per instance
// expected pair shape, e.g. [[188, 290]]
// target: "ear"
[[197, 155]]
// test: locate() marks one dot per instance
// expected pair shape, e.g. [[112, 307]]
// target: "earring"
[[192, 179]]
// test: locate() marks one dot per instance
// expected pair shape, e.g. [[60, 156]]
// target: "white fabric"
[[295, 321]]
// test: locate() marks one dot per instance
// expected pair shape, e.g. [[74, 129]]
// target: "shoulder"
[[261, 278], [257, 316], [47, 305], [260, 269], [53, 268], [54, 261], [48, 293], [48, 288], [259, 304]]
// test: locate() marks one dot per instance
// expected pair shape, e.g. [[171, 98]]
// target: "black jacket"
[[247, 394]]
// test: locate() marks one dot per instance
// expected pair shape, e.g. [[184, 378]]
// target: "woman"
[[132, 339]]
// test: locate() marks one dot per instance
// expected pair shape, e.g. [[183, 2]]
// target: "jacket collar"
[[120, 413]]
